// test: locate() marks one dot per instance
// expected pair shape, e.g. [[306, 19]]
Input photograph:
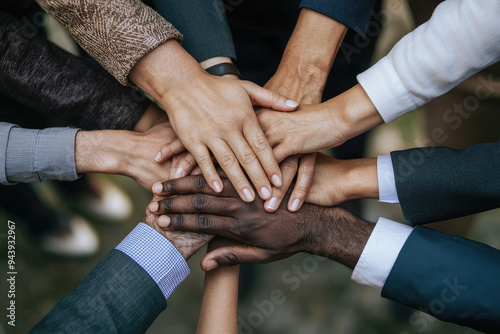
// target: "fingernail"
[[265, 192], [276, 180], [217, 186], [157, 188], [153, 207], [164, 221], [211, 265], [272, 203], [179, 172], [247, 195], [158, 156], [291, 103], [295, 205]]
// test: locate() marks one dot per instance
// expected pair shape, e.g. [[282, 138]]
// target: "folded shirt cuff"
[[385, 89], [386, 180], [36, 155], [157, 256], [380, 253]]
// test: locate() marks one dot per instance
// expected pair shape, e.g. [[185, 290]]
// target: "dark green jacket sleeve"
[[203, 24], [449, 277], [117, 296], [439, 183]]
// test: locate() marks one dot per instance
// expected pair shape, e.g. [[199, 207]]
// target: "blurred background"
[[107, 207]]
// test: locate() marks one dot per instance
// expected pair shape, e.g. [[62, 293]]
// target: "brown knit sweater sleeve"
[[117, 33]]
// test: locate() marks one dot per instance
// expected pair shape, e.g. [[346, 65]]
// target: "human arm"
[[129, 288], [49, 80], [144, 50], [302, 75], [439, 183], [31, 155], [447, 52], [219, 307], [412, 266]]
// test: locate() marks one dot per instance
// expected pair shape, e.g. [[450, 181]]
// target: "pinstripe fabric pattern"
[[117, 33]]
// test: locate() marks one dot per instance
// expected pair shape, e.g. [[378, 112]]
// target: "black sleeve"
[[47, 79], [439, 183]]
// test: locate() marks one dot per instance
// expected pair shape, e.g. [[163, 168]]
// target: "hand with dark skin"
[[327, 231], [186, 243]]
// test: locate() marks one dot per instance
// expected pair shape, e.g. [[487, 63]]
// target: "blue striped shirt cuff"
[[157, 256]]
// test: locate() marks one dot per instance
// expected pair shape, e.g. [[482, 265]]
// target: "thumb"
[[266, 98], [233, 255]]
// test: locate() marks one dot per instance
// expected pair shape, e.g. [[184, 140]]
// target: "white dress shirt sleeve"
[[157, 256], [386, 180], [461, 38], [380, 253]]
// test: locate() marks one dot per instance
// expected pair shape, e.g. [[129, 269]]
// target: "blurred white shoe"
[[110, 202], [75, 238]]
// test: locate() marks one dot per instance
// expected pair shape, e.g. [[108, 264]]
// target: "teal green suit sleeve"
[[449, 277], [439, 183], [203, 24], [117, 296]]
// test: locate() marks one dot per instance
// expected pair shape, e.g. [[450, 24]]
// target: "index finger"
[[192, 185]]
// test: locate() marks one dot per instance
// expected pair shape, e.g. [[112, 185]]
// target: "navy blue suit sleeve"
[[439, 183], [354, 14], [449, 277], [117, 296]]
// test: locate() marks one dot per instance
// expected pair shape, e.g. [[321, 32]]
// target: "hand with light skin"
[[131, 153], [313, 128], [327, 231], [214, 115], [301, 76], [337, 181]]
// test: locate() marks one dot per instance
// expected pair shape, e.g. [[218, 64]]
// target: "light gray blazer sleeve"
[[29, 155]]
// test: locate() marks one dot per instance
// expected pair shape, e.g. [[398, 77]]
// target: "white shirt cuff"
[[386, 180], [385, 89], [157, 256], [380, 253]]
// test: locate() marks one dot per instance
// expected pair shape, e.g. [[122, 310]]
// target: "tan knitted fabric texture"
[[117, 33]]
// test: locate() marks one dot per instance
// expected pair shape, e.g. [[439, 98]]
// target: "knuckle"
[[204, 160], [200, 183], [300, 192], [247, 157], [167, 204], [203, 223], [289, 167], [232, 259], [261, 144], [308, 168], [178, 220], [171, 186], [199, 202], [227, 160], [240, 228]]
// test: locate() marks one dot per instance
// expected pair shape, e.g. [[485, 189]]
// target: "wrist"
[[101, 151], [314, 43], [362, 179], [166, 67], [343, 237], [357, 114]]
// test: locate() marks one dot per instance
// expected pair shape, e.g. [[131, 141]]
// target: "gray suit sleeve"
[[28, 155], [117, 296]]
